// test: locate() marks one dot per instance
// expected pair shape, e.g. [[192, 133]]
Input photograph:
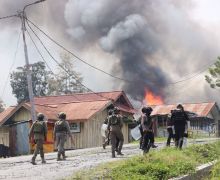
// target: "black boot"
[[64, 156], [58, 156], [33, 160], [43, 161]]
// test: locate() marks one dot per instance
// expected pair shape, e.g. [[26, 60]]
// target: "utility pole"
[[22, 15]]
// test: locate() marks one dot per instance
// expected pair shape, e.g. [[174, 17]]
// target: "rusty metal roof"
[[78, 97], [75, 111], [78, 107], [5, 114], [201, 109]]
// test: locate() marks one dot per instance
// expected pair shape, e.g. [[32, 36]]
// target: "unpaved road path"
[[19, 168]]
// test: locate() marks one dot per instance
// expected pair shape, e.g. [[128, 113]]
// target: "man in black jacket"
[[179, 119]]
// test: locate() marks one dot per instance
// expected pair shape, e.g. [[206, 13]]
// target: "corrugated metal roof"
[[78, 97], [5, 114], [201, 109], [78, 107], [77, 111]]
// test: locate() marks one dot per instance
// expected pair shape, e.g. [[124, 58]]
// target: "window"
[[75, 127]]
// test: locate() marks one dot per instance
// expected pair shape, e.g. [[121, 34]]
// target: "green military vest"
[[61, 126], [114, 120], [39, 127]]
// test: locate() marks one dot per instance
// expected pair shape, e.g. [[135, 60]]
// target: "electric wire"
[[44, 58], [169, 84], [6, 17], [56, 61], [12, 65]]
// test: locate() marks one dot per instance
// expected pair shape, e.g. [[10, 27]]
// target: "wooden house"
[[203, 116], [85, 113]]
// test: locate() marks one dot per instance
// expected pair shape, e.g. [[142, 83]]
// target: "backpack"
[[61, 126], [148, 122], [114, 119], [39, 127]]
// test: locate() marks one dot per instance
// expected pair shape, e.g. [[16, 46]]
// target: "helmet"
[[40, 117], [62, 115], [110, 112], [179, 106], [146, 110], [116, 110]]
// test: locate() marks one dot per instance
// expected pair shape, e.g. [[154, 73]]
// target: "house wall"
[[90, 133], [19, 141], [22, 115], [4, 135], [215, 113]]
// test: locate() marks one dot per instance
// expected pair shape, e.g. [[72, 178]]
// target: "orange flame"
[[152, 99]]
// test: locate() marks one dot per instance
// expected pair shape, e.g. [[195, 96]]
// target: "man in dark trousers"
[[115, 127], [61, 130], [39, 131], [169, 129], [179, 119], [147, 126]]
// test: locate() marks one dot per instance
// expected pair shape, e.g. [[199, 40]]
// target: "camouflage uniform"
[[115, 126], [39, 130], [147, 127], [61, 130]]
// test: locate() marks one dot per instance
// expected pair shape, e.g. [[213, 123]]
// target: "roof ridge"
[[69, 102], [80, 94], [184, 103]]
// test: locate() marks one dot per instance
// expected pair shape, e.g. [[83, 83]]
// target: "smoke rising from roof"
[[151, 38], [154, 42]]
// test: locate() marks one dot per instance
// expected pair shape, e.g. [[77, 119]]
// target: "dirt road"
[[19, 168]]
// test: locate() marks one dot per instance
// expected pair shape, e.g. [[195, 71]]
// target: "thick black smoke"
[[155, 42]]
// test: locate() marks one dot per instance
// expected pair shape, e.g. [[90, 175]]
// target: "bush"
[[160, 165]]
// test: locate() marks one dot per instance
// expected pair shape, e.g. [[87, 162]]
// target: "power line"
[[43, 58], [12, 65], [77, 57], [40, 52], [74, 76], [6, 17], [58, 44]]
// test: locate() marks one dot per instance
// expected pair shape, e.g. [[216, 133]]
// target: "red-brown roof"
[[5, 114], [78, 97], [201, 109], [76, 111], [78, 107]]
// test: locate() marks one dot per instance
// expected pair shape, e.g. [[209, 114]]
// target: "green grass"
[[162, 165], [215, 172], [157, 139]]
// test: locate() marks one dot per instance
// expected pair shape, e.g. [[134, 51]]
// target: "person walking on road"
[[115, 127], [169, 124], [179, 119], [39, 132], [61, 130], [147, 126]]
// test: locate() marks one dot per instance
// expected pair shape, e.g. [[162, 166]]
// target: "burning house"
[[204, 117]]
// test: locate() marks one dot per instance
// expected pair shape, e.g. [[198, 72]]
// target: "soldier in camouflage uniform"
[[61, 130], [147, 126], [115, 127], [39, 131]]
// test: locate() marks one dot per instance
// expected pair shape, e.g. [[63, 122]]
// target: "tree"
[[66, 81], [19, 83], [2, 106], [214, 78]]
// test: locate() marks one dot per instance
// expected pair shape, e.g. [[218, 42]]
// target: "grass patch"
[[157, 165]]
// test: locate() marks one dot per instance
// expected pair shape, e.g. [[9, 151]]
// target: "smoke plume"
[[155, 42]]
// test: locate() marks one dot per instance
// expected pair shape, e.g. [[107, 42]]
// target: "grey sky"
[[204, 13]]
